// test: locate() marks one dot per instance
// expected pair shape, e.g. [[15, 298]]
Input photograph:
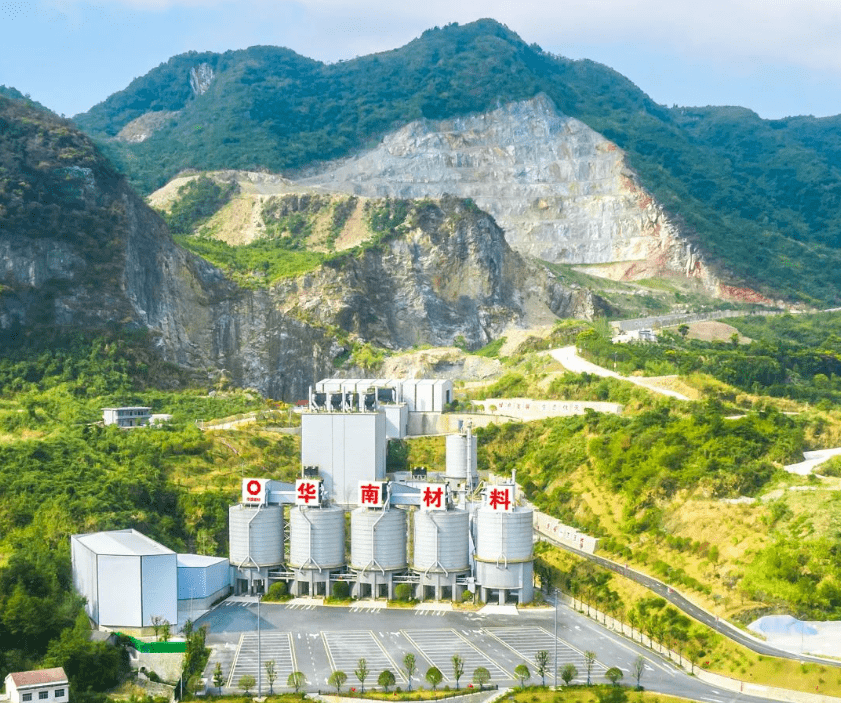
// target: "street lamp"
[[259, 653], [555, 660]]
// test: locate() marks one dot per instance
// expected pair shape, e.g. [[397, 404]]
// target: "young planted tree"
[[218, 678], [568, 673], [409, 667], [541, 661], [458, 668], [271, 675], [362, 672], [521, 671], [614, 674], [434, 677], [481, 676], [638, 668], [337, 679], [296, 680], [246, 683], [589, 660], [386, 680]]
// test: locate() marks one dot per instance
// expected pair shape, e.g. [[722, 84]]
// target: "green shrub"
[[403, 591], [277, 591], [340, 589]]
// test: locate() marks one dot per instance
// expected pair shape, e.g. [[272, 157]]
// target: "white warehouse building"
[[126, 577]]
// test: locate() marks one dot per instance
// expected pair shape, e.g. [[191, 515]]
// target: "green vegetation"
[[290, 221], [197, 201], [796, 357], [660, 626], [254, 265]]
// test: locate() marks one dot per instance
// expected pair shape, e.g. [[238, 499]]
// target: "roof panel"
[[123, 543]]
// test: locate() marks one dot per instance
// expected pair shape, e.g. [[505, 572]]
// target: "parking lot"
[[319, 640]]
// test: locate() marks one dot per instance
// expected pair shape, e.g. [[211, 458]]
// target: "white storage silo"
[[440, 541], [316, 548], [461, 458], [256, 535], [441, 552], [505, 552], [377, 549]]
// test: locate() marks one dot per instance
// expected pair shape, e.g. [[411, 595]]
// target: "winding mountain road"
[[569, 359], [688, 607]]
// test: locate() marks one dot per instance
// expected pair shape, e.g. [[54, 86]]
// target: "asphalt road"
[[724, 627], [317, 640]]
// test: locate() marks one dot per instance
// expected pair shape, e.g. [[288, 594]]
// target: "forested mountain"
[[761, 198]]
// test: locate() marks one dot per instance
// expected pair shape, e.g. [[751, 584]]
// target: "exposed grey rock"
[[201, 77], [560, 191], [452, 275]]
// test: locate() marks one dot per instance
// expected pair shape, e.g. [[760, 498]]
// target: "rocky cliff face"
[[560, 191], [79, 248], [452, 274]]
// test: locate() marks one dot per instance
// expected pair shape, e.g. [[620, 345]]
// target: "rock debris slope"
[[560, 191]]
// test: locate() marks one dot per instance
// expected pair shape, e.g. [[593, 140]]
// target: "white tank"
[[461, 456], [440, 541], [504, 535], [316, 537], [504, 547], [378, 539], [256, 535]]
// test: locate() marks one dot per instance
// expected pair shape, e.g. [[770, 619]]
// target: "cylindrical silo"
[[505, 550], [256, 535], [378, 539], [461, 456], [316, 538], [440, 541]]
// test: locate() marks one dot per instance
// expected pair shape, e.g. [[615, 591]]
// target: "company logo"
[[254, 491]]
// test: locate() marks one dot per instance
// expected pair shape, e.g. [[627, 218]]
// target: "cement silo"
[[505, 552], [441, 552], [461, 459], [316, 548], [256, 544], [377, 549]]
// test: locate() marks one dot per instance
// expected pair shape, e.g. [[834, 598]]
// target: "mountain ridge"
[[775, 230]]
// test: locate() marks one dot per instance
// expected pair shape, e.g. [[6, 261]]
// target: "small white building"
[[127, 417], [40, 686]]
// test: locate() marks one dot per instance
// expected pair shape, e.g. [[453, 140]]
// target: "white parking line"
[[439, 646], [344, 650]]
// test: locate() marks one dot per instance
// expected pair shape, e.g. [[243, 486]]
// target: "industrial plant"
[[441, 533], [343, 520]]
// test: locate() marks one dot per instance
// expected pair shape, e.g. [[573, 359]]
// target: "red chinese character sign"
[[307, 492], [433, 496], [254, 491], [501, 497], [371, 494]]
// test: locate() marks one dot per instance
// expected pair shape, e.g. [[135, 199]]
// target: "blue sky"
[[777, 57]]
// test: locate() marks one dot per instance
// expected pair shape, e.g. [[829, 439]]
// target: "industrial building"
[[343, 520], [128, 580], [441, 534]]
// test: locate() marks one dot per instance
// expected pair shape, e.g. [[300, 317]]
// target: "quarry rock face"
[[452, 275], [559, 190]]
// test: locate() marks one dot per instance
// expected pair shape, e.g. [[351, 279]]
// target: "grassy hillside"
[[761, 197]]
